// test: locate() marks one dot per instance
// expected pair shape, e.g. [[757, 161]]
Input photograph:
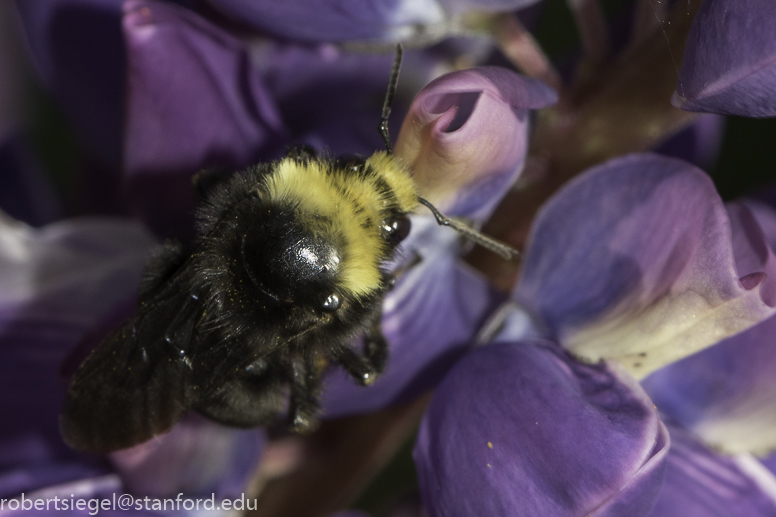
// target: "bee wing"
[[137, 383]]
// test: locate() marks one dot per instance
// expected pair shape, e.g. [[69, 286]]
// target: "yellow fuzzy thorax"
[[347, 207]]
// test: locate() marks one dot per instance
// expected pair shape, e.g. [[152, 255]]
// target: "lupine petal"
[[698, 144], [429, 319], [55, 284], [634, 261], [335, 20], [524, 429], [80, 56], [462, 6], [726, 394], [341, 20], [332, 99], [466, 136], [702, 483], [25, 192], [197, 457], [194, 102], [729, 63]]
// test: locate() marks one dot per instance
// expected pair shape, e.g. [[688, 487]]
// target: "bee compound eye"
[[331, 303], [397, 229]]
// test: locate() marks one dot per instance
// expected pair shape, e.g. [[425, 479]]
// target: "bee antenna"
[[499, 248], [392, 82]]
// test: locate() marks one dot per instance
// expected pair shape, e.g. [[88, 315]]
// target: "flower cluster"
[[624, 367]]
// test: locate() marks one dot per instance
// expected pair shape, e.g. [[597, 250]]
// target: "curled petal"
[[466, 136], [634, 261], [729, 64], [197, 457], [429, 320], [524, 429], [702, 483], [194, 101]]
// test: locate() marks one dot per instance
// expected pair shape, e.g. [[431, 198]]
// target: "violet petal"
[[633, 261], [729, 64], [524, 429], [334, 20], [56, 283], [197, 457], [26, 194], [429, 319], [702, 483], [80, 55], [195, 101], [698, 144], [466, 137], [332, 99], [453, 7], [341, 20], [726, 394]]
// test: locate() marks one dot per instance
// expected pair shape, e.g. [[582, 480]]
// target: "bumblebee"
[[285, 274]]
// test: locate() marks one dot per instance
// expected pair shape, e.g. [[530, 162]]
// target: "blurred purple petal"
[[634, 260], [342, 20], [80, 55], [429, 319], [198, 457], [333, 99], [334, 20], [766, 218], [25, 192], [55, 284], [698, 144], [524, 429], [195, 102], [453, 7], [702, 483], [466, 137], [729, 64]]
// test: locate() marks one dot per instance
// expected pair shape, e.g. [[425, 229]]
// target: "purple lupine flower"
[[627, 278], [176, 125], [729, 64]]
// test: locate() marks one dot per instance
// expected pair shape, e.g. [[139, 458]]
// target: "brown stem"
[[648, 19], [593, 32], [339, 460], [520, 47]]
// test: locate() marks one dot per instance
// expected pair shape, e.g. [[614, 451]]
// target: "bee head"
[[289, 261]]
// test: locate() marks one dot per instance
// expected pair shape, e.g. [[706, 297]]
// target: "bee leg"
[[304, 381], [366, 368], [376, 347]]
